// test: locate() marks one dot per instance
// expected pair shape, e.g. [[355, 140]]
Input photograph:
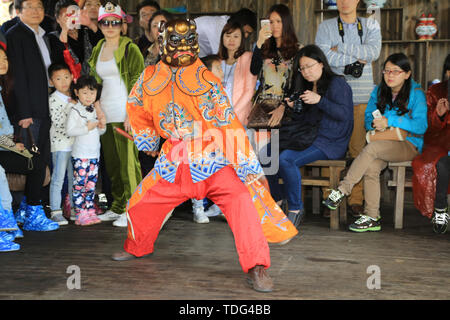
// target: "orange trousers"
[[225, 189]]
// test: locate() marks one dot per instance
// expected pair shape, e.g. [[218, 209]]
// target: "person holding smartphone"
[[272, 60], [402, 104]]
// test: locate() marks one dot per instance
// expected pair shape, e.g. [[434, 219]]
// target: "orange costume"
[[187, 106]]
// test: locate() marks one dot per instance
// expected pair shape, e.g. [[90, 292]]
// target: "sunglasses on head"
[[113, 23]]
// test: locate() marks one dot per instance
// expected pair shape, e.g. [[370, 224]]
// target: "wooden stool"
[[399, 181], [315, 180]]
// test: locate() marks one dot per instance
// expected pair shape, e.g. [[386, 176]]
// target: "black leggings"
[[442, 181], [15, 163]]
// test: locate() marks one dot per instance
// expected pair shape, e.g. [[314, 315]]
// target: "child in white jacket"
[[82, 123]]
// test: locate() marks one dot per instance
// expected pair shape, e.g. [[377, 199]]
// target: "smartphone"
[[377, 114], [265, 22]]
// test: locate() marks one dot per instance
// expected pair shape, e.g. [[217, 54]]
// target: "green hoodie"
[[130, 68]]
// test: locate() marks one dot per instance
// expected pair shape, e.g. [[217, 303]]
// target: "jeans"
[[290, 163], [61, 164], [5, 195]]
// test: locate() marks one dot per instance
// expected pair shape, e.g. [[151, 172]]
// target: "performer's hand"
[[277, 115], [251, 177], [442, 107], [25, 123]]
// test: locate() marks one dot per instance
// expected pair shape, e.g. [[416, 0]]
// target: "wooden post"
[[399, 198], [316, 193], [334, 214]]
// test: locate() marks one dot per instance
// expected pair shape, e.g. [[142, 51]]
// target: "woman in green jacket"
[[117, 63]]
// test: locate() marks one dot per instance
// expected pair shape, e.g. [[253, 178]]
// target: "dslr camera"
[[355, 69], [298, 102]]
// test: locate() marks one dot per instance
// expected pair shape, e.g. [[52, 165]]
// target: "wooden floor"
[[193, 261]]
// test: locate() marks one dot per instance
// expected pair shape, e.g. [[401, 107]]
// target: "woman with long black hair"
[[324, 112], [399, 103], [272, 61]]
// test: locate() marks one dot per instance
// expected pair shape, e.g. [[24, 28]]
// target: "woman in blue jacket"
[[329, 95], [402, 104]]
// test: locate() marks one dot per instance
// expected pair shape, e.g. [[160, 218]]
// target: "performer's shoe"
[[259, 280], [125, 256]]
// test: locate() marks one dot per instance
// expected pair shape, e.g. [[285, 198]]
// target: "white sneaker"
[[122, 221], [213, 211], [200, 216], [57, 216], [109, 216]]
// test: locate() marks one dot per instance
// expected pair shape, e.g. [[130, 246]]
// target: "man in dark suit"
[[29, 56]]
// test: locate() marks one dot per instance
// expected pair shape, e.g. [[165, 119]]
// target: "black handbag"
[[300, 131]]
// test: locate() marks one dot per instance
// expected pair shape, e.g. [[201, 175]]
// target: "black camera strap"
[[341, 29]]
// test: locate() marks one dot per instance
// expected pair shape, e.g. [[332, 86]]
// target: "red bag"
[[75, 68]]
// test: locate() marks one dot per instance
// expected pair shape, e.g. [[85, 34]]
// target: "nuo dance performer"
[[206, 154]]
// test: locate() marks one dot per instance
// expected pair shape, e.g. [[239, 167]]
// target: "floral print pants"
[[85, 175]]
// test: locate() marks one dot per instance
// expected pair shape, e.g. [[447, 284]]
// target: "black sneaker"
[[334, 199], [440, 220], [366, 223]]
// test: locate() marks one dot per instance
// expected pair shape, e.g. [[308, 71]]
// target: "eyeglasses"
[[113, 23], [301, 69], [38, 8], [394, 72]]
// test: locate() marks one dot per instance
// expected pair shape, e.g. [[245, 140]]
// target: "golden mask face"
[[179, 43]]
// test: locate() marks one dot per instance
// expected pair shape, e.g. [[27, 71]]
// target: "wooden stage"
[[193, 261]]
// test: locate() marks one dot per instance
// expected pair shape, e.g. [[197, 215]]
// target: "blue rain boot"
[[7, 221], [6, 244], [20, 214], [17, 233], [37, 221]]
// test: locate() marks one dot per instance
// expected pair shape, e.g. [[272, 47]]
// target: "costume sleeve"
[[146, 138], [416, 120], [235, 144]]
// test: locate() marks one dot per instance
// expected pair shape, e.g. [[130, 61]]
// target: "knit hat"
[[110, 10]]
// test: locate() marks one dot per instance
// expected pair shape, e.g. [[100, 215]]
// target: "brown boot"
[[260, 281], [125, 256]]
